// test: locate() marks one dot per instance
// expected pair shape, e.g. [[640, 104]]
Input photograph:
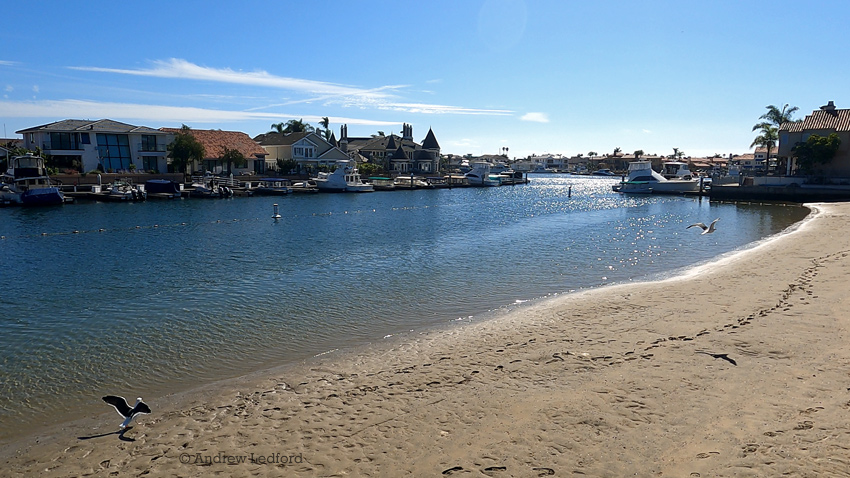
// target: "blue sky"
[[535, 76]]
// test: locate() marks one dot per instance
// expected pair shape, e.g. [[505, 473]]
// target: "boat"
[[344, 178], [603, 172], [642, 177], [273, 187], [380, 183], [120, 190], [480, 175], [163, 188], [25, 182], [411, 182], [208, 187], [308, 186]]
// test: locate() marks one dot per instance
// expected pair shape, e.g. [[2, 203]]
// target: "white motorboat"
[[480, 175], [26, 182], [345, 178], [120, 190], [642, 178]]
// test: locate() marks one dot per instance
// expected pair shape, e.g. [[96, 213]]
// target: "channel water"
[[160, 296]]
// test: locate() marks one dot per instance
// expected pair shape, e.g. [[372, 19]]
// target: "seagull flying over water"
[[705, 229], [124, 409]]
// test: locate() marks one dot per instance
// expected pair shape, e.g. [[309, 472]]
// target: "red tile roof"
[[837, 120], [215, 141]]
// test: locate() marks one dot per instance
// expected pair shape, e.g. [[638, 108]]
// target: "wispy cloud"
[[154, 113], [8, 63], [441, 109], [535, 117], [384, 97], [646, 131]]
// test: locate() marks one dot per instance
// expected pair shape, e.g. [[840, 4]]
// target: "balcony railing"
[[48, 146], [151, 148]]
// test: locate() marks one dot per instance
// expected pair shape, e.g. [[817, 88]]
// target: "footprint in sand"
[[541, 471], [493, 470], [452, 470]]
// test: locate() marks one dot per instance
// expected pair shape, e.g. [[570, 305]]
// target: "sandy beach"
[[739, 368]]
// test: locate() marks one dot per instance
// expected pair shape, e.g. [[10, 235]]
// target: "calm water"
[[165, 295]]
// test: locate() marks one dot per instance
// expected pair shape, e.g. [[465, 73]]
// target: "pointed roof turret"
[[333, 140], [399, 153], [391, 144], [430, 141]]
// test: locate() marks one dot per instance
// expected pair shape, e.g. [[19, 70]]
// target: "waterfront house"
[[215, 143], [399, 154], [308, 149], [85, 145], [761, 156], [822, 122]]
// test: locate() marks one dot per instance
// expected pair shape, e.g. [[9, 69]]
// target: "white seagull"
[[705, 229], [124, 409]]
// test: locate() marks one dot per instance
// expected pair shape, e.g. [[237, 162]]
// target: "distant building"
[[823, 121], [7, 145], [84, 145], [215, 142], [394, 153], [308, 149]]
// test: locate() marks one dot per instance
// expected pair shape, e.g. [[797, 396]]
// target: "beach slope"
[[739, 368]]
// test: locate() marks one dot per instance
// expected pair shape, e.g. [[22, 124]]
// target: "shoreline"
[[588, 375]]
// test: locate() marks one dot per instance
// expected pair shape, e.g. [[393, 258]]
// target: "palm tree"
[[775, 116], [767, 139], [326, 123], [292, 126]]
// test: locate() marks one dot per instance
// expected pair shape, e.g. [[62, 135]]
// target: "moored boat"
[[26, 183], [163, 188], [642, 177], [344, 178], [273, 187]]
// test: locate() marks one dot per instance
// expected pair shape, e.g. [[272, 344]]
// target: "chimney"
[[829, 107]]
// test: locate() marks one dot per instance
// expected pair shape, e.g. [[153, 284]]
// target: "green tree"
[[184, 149], [233, 157], [638, 154], [286, 166], [775, 117], [591, 153], [369, 169], [326, 123], [816, 151], [767, 139], [292, 126]]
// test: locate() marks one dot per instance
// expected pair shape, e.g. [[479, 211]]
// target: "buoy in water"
[[276, 215]]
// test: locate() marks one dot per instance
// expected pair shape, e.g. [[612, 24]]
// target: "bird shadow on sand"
[[120, 434]]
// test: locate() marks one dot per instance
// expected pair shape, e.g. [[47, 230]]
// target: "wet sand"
[[625, 380]]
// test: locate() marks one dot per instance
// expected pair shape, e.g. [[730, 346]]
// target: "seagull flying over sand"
[[705, 229], [124, 409]]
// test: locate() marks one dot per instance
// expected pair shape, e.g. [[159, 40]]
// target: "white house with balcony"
[[85, 145]]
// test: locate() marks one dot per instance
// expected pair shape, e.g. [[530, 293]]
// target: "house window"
[[114, 150], [149, 163], [65, 141], [148, 142]]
